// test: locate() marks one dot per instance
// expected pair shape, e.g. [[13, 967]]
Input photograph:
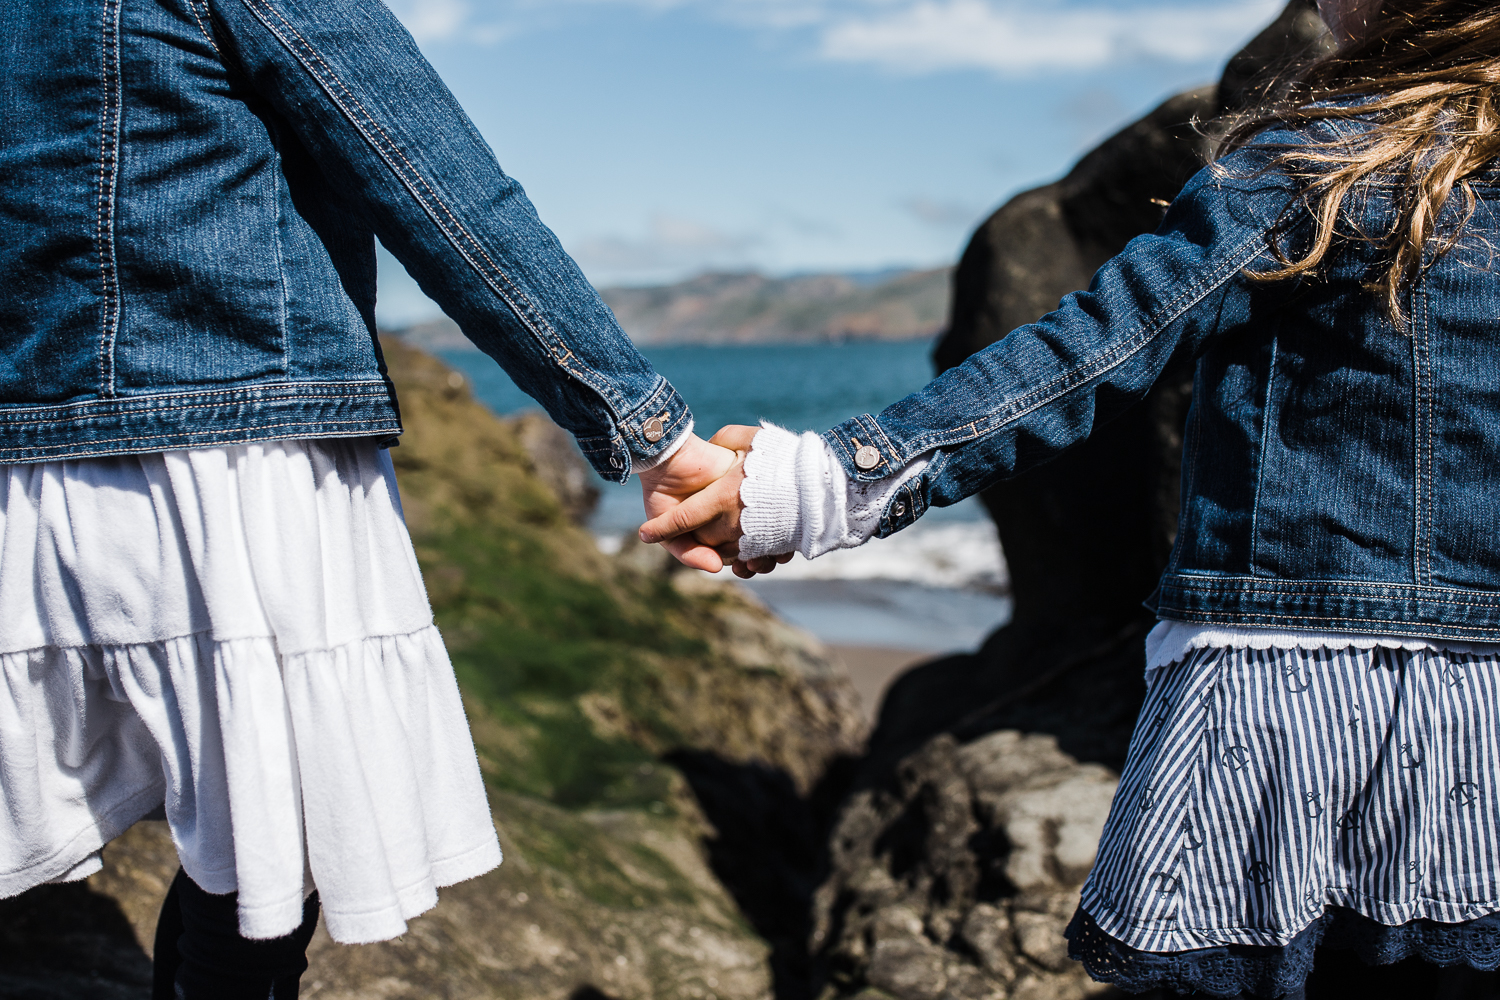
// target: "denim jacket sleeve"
[[1044, 386], [350, 83]]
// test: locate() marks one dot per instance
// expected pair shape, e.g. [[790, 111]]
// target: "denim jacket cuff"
[[641, 434], [863, 449], [867, 455]]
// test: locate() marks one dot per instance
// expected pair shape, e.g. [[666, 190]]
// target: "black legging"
[[201, 956]]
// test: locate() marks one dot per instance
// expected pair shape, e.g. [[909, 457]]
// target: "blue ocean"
[[939, 586]]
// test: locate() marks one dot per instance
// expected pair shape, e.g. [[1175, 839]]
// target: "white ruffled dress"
[[239, 635]]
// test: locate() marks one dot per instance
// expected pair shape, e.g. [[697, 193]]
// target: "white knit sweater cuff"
[[798, 498], [772, 516]]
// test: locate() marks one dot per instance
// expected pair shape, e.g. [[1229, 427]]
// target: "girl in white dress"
[[209, 606]]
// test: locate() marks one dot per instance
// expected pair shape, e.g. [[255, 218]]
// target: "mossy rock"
[[580, 673]]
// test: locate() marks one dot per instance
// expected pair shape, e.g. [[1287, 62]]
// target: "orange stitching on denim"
[[1420, 595], [374, 429], [510, 294], [149, 411], [23, 455], [109, 147], [1266, 585], [133, 404], [1069, 380], [192, 6]]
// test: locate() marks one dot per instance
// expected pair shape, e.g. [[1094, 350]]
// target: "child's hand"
[[706, 526], [695, 466]]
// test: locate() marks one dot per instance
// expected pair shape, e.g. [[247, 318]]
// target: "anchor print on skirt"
[[1265, 785]]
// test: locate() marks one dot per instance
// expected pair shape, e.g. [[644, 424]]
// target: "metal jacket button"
[[866, 458], [654, 430]]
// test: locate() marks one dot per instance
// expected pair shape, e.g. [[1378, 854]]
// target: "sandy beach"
[[873, 668]]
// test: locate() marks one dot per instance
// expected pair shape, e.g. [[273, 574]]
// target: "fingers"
[[747, 568], [694, 555], [722, 499], [735, 437], [688, 516]]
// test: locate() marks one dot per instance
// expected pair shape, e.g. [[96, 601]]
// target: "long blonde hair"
[[1425, 85]]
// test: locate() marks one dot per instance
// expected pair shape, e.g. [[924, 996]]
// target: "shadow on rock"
[[770, 850], [589, 993], [63, 942]]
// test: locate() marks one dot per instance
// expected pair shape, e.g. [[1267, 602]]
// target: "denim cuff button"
[[653, 430], [866, 458]]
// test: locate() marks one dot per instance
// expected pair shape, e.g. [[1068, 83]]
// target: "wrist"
[[656, 461]]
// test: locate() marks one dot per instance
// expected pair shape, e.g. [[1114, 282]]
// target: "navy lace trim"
[[1261, 971]]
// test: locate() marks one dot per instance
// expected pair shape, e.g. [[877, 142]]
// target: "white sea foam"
[[959, 555], [952, 554]]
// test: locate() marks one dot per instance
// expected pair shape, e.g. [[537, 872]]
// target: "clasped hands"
[[693, 502]]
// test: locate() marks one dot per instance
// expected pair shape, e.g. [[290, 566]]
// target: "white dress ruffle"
[[242, 635], [1172, 642]]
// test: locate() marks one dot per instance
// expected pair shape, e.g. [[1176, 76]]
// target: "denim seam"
[[109, 173], [883, 444], [1264, 585], [512, 296], [1112, 358], [1353, 624], [6, 417], [283, 307], [1189, 474], [1492, 603], [1419, 434], [1260, 467], [1429, 417], [192, 6], [189, 434]]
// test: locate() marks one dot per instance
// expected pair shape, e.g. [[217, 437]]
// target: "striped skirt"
[[1267, 788]]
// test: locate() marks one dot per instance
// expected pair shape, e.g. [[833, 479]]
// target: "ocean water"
[[939, 586]]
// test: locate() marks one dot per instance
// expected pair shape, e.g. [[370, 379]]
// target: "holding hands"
[[693, 502]]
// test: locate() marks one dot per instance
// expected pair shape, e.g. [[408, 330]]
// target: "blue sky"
[[663, 138]]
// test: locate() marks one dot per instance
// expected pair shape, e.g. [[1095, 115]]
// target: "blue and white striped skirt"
[[1266, 787]]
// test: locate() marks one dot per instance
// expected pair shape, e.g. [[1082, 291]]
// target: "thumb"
[[690, 515], [735, 437]]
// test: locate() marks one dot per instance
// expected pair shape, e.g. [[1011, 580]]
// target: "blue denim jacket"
[[1339, 473], [189, 196]]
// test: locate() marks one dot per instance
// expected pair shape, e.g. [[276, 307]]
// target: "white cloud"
[[1019, 38], [1008, 37], [671, 244], [942, 214], [432, 20]]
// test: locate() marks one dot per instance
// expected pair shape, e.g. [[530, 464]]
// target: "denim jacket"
[[190, 191], [1340, 472]]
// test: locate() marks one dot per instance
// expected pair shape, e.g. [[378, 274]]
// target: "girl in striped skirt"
[[1317, 767]]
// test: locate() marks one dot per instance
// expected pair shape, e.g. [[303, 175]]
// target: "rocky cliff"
[[629, 721], [755, 309]]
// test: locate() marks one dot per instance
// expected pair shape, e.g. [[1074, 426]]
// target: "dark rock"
[[974, 817]]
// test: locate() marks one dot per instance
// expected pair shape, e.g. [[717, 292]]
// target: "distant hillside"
[[754, 309]]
